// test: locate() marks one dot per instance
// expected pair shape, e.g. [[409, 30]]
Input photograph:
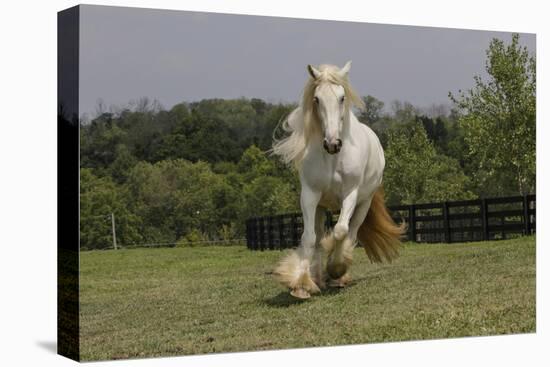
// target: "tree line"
[[198, 170]]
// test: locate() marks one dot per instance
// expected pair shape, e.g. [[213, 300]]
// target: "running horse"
[[340, 162]]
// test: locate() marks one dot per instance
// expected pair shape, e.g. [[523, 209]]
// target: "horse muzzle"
[[333, 146]]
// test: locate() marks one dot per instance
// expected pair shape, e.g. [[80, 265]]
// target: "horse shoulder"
[[314, 171], [374, 159]]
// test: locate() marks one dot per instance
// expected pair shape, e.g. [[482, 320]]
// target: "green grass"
[[153, 302]]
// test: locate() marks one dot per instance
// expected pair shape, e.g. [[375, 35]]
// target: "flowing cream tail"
[[379, 235]]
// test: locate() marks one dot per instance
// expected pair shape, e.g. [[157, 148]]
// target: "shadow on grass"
[[284, 299]]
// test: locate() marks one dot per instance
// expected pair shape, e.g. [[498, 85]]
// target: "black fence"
[[450, 221]]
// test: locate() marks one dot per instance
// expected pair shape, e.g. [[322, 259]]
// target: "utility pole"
[[114, 231]]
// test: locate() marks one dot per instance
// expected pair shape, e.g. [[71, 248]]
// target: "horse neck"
[[347, 128]]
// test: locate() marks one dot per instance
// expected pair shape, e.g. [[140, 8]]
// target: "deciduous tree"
[[499, 118]]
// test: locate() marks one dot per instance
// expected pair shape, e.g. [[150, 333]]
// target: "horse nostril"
[[325, 144], [339, 143]]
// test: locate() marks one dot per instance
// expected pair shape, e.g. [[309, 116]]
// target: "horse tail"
[[379, 235]]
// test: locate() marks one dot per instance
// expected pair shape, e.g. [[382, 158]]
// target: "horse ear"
[[345, 70], [313, 72]]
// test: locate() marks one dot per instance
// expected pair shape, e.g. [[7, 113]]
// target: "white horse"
[[340, 163]]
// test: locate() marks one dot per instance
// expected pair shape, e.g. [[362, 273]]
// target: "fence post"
[[251, 233], [257, 235], [484, 219], [532, 223], [114, 230], [248, 233], [262, 233], [446, 222], [281, 232], [293, 230], [526, 216], [270, 233], [412, 223]]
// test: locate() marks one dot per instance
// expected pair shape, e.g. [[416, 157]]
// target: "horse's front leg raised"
[[294, 270], [340, 244]]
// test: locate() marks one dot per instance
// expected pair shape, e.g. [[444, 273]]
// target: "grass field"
[[176, 301]]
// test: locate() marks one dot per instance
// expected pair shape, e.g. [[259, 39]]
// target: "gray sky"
[[175, 56]]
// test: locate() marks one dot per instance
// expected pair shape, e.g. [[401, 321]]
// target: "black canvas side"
[[68, 183]]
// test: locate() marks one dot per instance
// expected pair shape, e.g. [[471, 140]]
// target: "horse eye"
[[342, 99], [316, 100]]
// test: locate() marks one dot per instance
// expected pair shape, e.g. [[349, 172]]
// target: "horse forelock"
[[330, 75]]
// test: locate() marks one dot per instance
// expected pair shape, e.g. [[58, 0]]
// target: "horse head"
[[330, 103]]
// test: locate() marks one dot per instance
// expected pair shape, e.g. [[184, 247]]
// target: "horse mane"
[[302, 123]]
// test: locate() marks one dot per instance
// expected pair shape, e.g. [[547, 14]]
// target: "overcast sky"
[[176, 56]]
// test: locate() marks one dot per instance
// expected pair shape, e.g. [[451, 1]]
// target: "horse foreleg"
[[294, 270], [340, 259], [318, 269], [341, 245], [359, 215], [338, 269], [341, 228]]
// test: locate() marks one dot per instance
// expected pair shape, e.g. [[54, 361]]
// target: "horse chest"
[[334, 178], [333, 191]]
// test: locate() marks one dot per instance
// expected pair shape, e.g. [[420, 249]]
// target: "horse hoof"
[[336, 271], [341, 282], [336, 283], [300, 293]]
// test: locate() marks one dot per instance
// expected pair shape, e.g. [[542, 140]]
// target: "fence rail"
[[236, 241], [450, 221]]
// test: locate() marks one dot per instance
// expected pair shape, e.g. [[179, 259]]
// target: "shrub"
[[192, 239]]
